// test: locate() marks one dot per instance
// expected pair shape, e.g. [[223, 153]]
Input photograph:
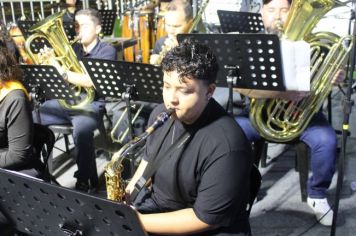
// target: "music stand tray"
[[112, 79], [39, 208], [254, 59], [240, 22]]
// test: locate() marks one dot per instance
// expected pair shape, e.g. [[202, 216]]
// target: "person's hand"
[[295, 96], [338, 77], [48, 57], [153, 58], [45, 55]]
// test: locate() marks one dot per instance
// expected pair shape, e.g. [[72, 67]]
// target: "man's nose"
[[170, 30], [277, 15], [173, 98]]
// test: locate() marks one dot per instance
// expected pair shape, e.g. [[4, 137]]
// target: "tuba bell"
[[282, 120], [52, 30]]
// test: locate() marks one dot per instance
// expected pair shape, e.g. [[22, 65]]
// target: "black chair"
[[43, 143], [255, 185], [65, 130], [301, 161]]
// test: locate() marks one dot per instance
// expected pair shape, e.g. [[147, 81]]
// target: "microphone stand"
[[347, 105]]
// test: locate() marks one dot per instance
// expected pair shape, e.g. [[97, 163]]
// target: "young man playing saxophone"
[[202, 188]]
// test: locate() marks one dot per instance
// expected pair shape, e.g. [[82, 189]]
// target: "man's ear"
[[211, 89], [98, 29]]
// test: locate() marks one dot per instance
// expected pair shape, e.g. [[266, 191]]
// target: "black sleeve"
[[19, 131], [223, 192], [223, 187]]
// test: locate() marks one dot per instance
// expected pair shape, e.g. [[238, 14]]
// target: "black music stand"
[[25, 25], [126, 80], [108, 21], [35, 207], [69, 29], [251, 61], [241, 22], [44, 82]]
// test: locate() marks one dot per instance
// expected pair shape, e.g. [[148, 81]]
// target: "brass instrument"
[[168, 45], [114, 184], [197, 18], [121, 136], [52, 30], [281, 120]]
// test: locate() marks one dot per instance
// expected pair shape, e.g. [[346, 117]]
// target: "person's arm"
[[338, 77], [83, 79], [286, 95], [78, 79], [182, 221], [19, 134]]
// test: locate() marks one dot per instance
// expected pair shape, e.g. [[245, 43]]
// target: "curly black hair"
[[193, 61]]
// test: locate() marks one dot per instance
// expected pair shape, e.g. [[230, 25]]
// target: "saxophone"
[[115, 186]]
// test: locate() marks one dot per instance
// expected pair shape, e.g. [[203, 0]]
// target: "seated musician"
[[16, 126], [178, 19], [200, 189], [319, 135], [88, 24]]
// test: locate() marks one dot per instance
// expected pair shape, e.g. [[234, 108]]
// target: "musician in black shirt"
[[202, 189]]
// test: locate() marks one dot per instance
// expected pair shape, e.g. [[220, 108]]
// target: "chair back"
[[43, 143], [255, 184]]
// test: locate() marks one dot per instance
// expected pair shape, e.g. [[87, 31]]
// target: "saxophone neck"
[[125, 150]]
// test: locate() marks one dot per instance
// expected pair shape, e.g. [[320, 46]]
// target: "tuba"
[[282, 120], [115, 186], [52, 30]]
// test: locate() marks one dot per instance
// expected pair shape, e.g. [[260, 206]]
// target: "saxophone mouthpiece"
[[160, 119], [170, 111], [277, 28]]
